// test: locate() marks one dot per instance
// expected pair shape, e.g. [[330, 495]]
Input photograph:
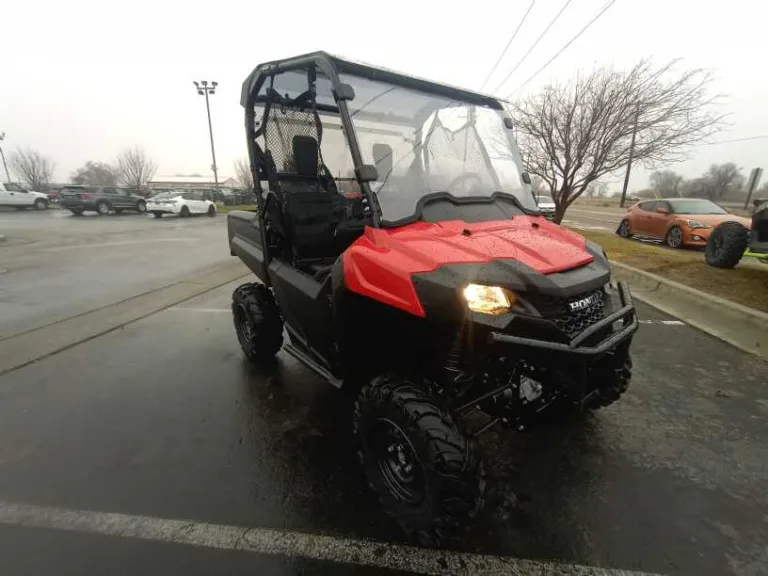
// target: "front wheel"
[[141, 207], [184, 212], [77, 211], [102, 208], [258, 323], [157, 214], [611, 377], [424, 470], [211, 211], [40, 204], [674, 237], [726, 245]]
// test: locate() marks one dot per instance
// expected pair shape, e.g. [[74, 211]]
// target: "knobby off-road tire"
[[726, 245], [258, 323], [612, 380], [447, 479]]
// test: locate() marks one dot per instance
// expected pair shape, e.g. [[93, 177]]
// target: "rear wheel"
[[674, 237], [76, 211], [184, 212], [102, 208], [211, 211], [625, 229], [141, 206], [40, 204], [157, 214], [726, 245], [258, 323], [424, 470]]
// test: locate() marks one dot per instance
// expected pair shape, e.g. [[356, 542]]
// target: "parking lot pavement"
[[55, 265], [163, 420]]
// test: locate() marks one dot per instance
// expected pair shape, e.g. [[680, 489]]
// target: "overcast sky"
[[82, 80]]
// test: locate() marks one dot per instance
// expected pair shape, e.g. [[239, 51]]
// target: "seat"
[[311, 207]]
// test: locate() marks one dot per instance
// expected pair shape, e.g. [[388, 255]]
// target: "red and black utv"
[[399, 245]]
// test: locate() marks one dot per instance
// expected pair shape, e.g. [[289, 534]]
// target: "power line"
[[761, 137], [520, 25], [551, 23], [563, 49]]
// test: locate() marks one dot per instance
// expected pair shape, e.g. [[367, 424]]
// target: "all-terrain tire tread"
[[453, 463], [735, 239], [267, 338]]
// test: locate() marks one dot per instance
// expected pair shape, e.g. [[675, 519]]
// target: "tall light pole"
[[204, 89], [7, 175]]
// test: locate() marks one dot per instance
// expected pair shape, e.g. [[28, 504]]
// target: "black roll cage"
[[331, 66]]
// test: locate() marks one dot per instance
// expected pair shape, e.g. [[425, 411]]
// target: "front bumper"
[[612, 331], [164, 208], [697, 237]]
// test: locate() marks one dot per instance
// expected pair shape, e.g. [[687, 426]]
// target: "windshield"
[[423, 144], [696, 207]]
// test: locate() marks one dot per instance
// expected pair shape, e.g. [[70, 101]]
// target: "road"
[[606, 219], [162, 421], [54, 265]]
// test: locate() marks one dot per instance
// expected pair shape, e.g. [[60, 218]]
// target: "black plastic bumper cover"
[[576, 346]]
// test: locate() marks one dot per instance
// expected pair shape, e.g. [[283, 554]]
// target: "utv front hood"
[[524, 253]]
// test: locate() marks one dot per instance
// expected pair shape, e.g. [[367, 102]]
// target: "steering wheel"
[[463, 177]]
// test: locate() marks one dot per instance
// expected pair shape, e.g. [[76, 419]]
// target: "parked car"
[[547, 206], [678, 222], [101, 199], [183, 203], [12, 194]]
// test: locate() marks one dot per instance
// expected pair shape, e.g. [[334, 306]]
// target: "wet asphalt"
[[54, 265], [164, 418]]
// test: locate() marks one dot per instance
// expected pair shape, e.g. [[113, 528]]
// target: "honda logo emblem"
[[583, 303]]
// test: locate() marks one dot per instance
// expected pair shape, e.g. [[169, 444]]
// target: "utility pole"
[[204, 89], [7, 175], [752, 184], [629, 164]]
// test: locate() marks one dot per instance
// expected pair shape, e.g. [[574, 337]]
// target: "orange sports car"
[[677, 221]]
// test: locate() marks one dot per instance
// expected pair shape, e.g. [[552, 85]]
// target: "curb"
[[733, 323]]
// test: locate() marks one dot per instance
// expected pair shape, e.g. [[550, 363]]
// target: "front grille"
[[572, 322]]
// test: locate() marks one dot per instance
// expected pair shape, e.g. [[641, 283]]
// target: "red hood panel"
[[535, 242], [381, 262]]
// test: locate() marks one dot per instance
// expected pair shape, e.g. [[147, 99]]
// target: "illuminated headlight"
[[488, 299], [697, 224]]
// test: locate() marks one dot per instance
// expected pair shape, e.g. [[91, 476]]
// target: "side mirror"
[[344, 92], [508, 124], [526, 177], [367, 173]]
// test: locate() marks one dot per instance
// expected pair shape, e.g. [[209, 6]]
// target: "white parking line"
[[286, 543], [183, 309], [664, 322]]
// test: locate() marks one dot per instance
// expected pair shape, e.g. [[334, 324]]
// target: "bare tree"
[[597, 189], [575, 133], [33, 168], [135, 168], [666, 183], [95, 174], [723, 180], [243, 174]]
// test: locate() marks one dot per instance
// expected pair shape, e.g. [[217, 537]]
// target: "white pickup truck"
[[11, 194]]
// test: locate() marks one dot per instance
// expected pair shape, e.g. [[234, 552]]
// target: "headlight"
[[697, 224], [488, 299]]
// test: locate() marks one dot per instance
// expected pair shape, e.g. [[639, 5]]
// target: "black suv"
[[102, 199]]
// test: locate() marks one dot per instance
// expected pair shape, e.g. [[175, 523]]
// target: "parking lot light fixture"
[[203, 89]]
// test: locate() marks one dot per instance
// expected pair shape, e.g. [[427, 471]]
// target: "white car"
[[11, 194], [184, 203], [546, 205]]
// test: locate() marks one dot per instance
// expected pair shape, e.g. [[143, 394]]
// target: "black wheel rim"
[[103, 208], [395, 461], [717, 244], [624, 229], [243, 324]]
